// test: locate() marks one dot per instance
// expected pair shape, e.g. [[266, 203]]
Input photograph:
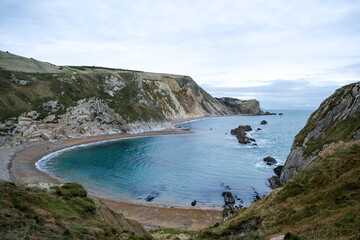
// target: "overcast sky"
[[286, 54]]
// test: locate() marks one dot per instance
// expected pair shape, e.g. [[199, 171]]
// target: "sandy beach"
[[18, 165]]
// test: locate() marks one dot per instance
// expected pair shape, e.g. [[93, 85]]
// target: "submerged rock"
[[152, 195], [270, 160]]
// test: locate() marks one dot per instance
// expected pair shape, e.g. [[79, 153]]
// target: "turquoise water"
[[182, 168]]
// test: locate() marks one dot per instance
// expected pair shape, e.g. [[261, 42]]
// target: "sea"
[[175, 170]]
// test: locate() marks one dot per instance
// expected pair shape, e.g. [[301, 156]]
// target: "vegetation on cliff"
[[337, 119], [59, 212]]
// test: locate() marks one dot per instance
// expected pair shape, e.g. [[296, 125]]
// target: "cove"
[[177, 169]]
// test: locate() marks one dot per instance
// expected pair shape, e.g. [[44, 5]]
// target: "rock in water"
[[229, 204], [152, 195], [270, 160], [228, 198], [263, 122], [193, 203], [278, 169], [240, 133]]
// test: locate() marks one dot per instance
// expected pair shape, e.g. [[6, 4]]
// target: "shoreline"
[[22, 169]]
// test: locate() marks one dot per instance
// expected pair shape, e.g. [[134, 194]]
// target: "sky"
[[287, 54]]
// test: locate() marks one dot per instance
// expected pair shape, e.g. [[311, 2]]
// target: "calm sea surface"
[[181, 168]]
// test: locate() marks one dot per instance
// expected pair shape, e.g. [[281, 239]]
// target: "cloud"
[[221, 44]]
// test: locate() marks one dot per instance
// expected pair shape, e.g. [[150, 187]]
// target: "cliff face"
[[337, 119], [39, 100], [236, 106]]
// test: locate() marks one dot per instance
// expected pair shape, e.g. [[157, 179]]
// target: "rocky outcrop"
[[337, 119], [238, 107], [240, 133]]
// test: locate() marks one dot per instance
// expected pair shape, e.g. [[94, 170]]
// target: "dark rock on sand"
[[270, 160]]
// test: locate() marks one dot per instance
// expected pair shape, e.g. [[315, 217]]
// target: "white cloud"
[[235, 44]]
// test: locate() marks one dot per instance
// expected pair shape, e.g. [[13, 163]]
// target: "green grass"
[[33, 213]]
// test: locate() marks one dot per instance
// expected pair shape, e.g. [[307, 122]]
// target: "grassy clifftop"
[[59, 212]]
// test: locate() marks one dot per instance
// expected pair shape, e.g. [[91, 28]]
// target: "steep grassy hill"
[[59, 212]]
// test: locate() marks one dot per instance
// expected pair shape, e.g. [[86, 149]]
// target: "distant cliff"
[[337, 119], [237, 106], [42, 101]]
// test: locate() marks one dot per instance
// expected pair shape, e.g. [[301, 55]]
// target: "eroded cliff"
[[42, 101], [337, 119]]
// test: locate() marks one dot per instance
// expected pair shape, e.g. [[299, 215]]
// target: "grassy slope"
[[321, 202], [32, 213]]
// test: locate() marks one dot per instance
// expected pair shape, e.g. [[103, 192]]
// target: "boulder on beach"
[[270, 160]]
